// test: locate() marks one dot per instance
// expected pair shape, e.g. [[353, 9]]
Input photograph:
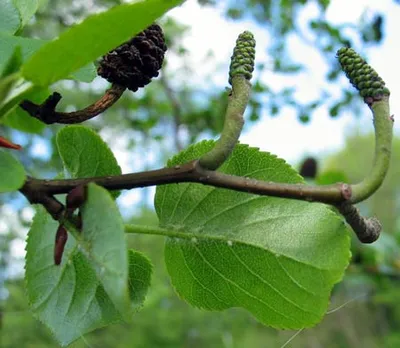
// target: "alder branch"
[[43, 191], [46, 112], [195, 173]]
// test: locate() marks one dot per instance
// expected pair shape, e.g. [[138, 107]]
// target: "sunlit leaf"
[[12, 173], [277, 258]]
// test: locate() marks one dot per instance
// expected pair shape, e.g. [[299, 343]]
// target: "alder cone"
[[136, 62]]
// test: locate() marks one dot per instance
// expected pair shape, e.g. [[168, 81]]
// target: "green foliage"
[[12, 172], [85, 154], [92, 286], [106, 251], [26, 8], [140, 269], [277, 258], [28, 46], [122, 22], [19, 119], [16, 50], [9, 17], [8, 78], [68, 298]]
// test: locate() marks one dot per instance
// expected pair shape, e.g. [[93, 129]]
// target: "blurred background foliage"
[[168, 115]]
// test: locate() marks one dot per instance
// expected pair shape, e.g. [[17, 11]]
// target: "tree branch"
[[192, 172], [43, 191], [47, 113]]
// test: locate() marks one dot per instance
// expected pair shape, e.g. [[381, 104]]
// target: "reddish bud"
[[8, 144], [76, 197], [59, 245]]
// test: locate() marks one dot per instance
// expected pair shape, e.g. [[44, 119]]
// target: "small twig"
[[49, 202], [238, 99], [46, 112], [383, 123], [367, 229], [240, 73]]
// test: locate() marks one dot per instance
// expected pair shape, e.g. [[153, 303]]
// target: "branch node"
[[346, 191]]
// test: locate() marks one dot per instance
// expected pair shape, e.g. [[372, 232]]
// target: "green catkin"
[[362, 76], [242, 61]]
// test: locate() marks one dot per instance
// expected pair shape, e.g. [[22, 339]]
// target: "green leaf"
[[103, 242], [6, 85], [75, 298], [9, 17], [277, 258], [85, 154], [85, 74], [140, 270], [8, 75], [29, 46], [90, 39], [12, 173], [68, 298], [19, 119], [13, 63], [26, 8]]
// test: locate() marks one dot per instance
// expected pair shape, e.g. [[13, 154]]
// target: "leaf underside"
[[97, 283]]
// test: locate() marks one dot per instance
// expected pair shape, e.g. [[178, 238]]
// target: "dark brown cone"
[[136, 62]]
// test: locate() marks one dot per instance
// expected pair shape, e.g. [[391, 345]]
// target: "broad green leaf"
[[8, 75], [9, 17], [90, 39], [29, 46], [19, 119], [140, 270], [12, 173], [277, 258], [26, 8], [85, 154], [13, 64], [71, 299]]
